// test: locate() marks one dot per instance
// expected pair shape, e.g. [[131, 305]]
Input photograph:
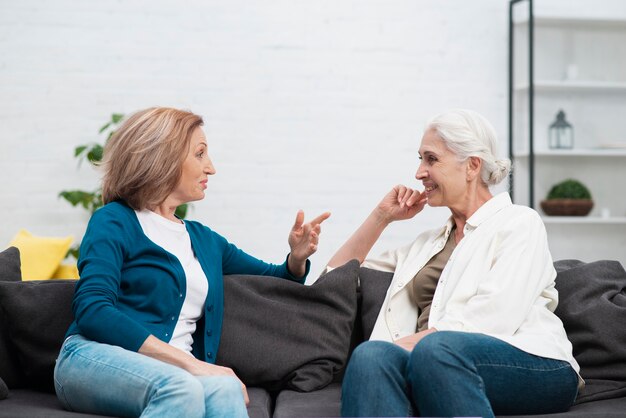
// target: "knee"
[[182, 392], [224, 387], [223, 396], [436, 350], [369, 355]]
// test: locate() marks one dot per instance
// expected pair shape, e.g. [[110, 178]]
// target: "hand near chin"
[[303, 240], [401, 203]]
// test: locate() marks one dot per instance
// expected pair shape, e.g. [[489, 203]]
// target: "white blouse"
[[499, 281]]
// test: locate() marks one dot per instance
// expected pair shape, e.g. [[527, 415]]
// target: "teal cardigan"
[[131, 288]]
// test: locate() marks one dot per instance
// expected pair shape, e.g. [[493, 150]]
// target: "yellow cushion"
[[40, 256], [66, 271]]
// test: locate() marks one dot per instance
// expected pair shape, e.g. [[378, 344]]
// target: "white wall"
[[316, 105]]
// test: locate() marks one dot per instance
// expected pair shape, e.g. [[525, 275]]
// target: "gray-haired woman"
[[467, 327]]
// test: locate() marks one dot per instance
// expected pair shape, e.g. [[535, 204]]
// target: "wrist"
[[380, 217], [296, 266]]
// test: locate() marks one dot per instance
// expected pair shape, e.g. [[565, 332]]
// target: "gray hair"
[[468, 134]]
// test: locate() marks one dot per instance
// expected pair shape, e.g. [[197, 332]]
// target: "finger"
[[414, 197], [244, 390], [403, 195], [299, 220], [406, 196], [321, 218]]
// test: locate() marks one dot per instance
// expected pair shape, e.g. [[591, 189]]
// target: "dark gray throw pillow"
[[10, 267], [4, 390], [373, 288], [592, 306], [36, 316], [279, 334]]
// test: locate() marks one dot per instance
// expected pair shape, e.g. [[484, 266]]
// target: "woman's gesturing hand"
[[303, 239], [401, 203]]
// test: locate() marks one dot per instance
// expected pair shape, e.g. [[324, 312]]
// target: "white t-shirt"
[[174, 238]]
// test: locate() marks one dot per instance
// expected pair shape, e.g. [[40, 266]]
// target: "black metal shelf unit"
[[531, 90]]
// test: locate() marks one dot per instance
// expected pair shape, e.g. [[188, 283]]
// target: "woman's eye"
[[200, 154]]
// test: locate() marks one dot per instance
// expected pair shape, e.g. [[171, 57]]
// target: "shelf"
[[583, 220], [575, 22], [574, 86], [590, 152]]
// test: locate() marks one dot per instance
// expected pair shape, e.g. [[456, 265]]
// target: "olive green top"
[[422, 288]]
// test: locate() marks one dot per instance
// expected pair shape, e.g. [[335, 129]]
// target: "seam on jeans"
[[543, 369]]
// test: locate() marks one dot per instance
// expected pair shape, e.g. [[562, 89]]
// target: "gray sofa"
[[298, 338]]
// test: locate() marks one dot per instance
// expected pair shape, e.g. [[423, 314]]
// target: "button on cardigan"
[[131, 288]]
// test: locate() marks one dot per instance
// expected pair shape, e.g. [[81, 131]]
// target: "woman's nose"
[[420, 174], [209, 168]]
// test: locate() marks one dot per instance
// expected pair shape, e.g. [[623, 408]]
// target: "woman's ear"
[[474, 164]]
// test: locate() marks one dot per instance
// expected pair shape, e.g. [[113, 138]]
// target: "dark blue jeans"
[[454, 374]]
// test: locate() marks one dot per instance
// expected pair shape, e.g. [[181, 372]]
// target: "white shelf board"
[[573, 86], [577, 152], [574, 22], [583, 220]]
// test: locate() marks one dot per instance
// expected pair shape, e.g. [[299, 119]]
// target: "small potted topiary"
[[568, 198]]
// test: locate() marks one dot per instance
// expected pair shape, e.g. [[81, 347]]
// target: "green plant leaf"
[[104, 127], [79, 150], [94, 155], [569, 189], [181, 211], [117, 118], [73, 252]]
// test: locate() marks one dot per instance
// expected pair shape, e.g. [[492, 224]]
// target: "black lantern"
[[561, 133]]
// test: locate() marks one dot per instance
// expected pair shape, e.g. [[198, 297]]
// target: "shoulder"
[[519, 214], [112, 217], [114, 210]]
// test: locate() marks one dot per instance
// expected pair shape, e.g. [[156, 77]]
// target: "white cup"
[[605, 213]]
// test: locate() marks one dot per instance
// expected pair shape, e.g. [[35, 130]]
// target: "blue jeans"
[[103, 379], [452, 373]]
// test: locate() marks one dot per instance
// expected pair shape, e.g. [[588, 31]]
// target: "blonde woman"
[[148, 306], [467, 327]]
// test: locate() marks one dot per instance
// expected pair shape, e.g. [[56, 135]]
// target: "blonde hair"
[[143, 159], [469, 134]]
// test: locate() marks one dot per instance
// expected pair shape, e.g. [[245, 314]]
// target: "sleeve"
[[102, 254], [387, 261], [236, 261], [521, 269]]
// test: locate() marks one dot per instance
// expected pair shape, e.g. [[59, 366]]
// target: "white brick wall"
[[316, 105]]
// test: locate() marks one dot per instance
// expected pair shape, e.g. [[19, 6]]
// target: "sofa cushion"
[[261, 403], [278, 333], [325, 402], [37, 315], [4, 390], [35, 404], [10, 372], [10, 265], [592, 307], [373, 288]]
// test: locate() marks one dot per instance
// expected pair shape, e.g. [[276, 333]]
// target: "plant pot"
[[567, 207]]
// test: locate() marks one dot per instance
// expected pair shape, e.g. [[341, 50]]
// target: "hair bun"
[[503, 167]]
